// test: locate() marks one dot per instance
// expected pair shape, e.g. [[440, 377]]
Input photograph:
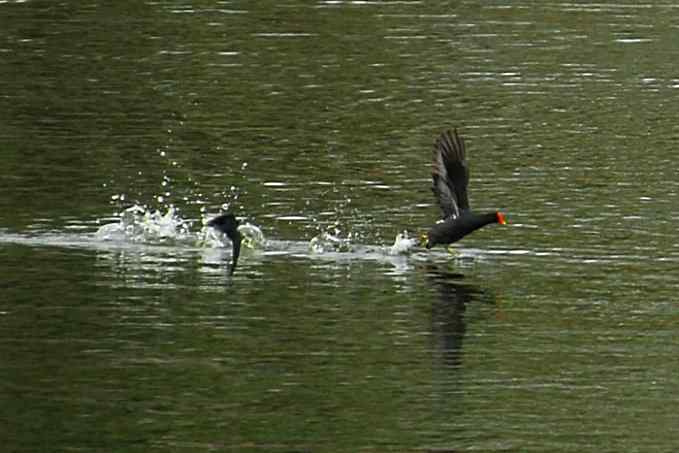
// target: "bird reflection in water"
[[449, 319], [456, 303]]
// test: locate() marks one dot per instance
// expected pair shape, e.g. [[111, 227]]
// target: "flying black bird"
[[228, 225], [450, 176]]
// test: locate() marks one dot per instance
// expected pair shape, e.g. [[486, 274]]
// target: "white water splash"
[[327, 242], [403, 244], [137, 224], [252, 236]]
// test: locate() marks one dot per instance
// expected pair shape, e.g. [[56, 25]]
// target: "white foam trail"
[[402, 244]]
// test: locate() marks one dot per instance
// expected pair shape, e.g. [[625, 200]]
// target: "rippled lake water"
[[314, 121]]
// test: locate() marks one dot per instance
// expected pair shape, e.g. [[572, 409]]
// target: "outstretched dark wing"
[[450, 174]]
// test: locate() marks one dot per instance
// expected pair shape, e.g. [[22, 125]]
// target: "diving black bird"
[[228, 224], [450, 176]]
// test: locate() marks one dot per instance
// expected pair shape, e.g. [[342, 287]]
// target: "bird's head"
[[500, 218]]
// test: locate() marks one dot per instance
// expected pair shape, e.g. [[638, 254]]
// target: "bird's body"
[[450, 177], [228, 224]]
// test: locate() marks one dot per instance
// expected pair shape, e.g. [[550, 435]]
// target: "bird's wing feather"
[[450, 174]]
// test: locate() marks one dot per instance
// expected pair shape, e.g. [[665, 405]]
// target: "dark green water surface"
[[558, 332]]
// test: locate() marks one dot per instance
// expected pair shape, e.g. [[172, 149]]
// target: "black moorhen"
[[228, 224], [450, 176]]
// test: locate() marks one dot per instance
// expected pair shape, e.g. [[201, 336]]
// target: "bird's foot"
[[453, 251]]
